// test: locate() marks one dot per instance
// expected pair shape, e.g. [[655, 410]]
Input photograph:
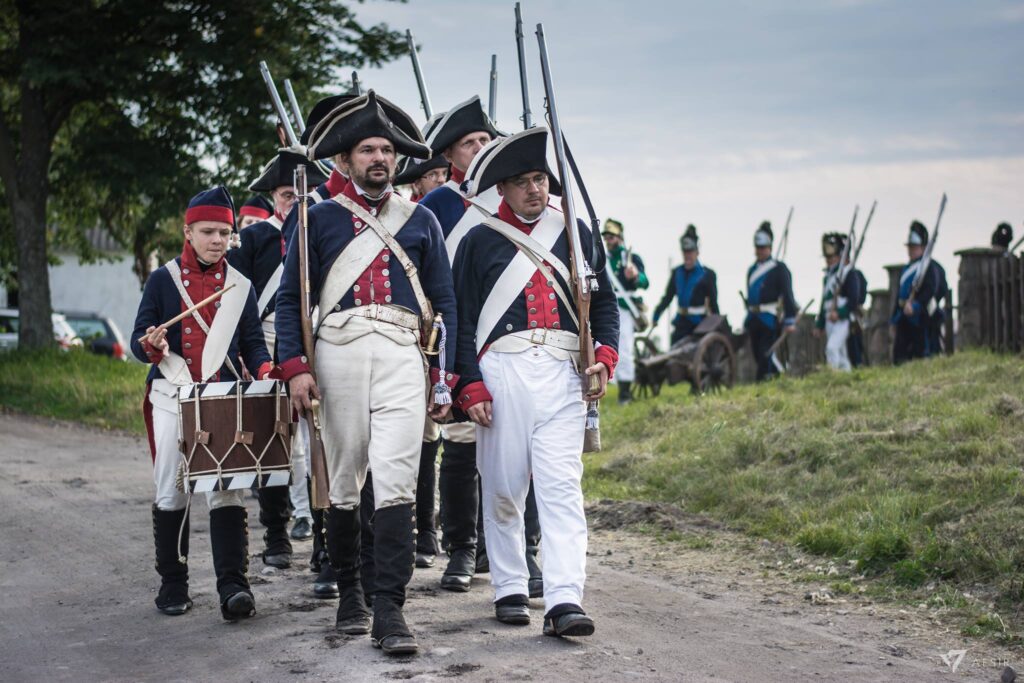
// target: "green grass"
[[77, 385], [912, 473]]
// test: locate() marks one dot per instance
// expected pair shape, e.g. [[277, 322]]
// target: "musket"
[[424, 97], [524, 82], [785, 333], [926, 259], [296, 112], [780, 252], [863, 233], [620, 291], [492, 99], [357, 86], [583, 280], [837, 284], [319, 483], [275, 98]]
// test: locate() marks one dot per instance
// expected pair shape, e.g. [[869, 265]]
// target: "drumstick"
[[181, 316]]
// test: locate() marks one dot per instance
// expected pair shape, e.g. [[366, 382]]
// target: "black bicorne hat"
[[281, 171], [410, 170], [367, 116], [689, 241], [763, 236], [444, 130], [1002, 236], [508, 157], [322, 109], [918, 234]]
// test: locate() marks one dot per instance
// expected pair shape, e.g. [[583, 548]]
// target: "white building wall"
[[106, 288]]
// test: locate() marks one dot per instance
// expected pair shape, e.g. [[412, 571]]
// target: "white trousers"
[[163, 397], [537, 428], [624, 371], [835, 349], [300, 466], [373, 390]]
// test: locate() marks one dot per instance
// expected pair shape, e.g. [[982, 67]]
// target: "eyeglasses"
[[540, 180]]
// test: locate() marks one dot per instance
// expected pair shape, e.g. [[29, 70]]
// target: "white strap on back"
[[485, 205], [270, 291]]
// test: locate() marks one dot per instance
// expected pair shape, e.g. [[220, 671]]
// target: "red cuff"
[[473, 393], [450, 378], [292, 367], [152, 353], [608, 356], [266, 371]]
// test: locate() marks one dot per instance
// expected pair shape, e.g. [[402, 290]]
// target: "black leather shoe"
[[302, 530], [567, 620], [325, 586], [424, 560], [175, 609], [513, 609], [458, 575], [239, 606], [390, 632], [279, 560]]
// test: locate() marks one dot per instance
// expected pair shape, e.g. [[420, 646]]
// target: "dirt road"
[[77, 586]]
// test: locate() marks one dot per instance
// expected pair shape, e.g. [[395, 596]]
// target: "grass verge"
[[909, 475]]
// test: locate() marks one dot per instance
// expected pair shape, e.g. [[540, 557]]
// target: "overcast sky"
[[726, 113]]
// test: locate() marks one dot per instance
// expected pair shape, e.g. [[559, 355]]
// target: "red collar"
[[353, 194], [337, 183], [458, 176], [191, 261], [506, 214]]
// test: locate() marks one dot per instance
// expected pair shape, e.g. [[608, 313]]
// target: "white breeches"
[[163, 396], [537, 428], [624, 371], [835, 349], [300, 466], [373, 405]]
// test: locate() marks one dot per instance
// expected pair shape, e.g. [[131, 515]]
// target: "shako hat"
[[257, 206], [918, 234], [281, 171], [444, 130], [504, 158], [214, 204], [833, 243], [410, 170], [612, 227], [367, 116], [689, 240], [763, 236], [1002, 236]]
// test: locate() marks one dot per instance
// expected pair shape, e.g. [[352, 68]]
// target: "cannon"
[[706, 359]]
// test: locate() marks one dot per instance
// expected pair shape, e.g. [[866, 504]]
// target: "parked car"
[[62, 331], [99, 333]]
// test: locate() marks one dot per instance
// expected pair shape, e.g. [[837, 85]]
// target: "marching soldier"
[[629, 269], [1002, 237], [422, 176], [769, 301], [177, 357], [377, 267], [256, 209], [693, 286], [518, 354], [259, 258], [912, 315], [857, 296], [458, 135], [836, 307]]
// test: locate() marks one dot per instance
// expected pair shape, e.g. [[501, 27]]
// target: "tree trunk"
[[35, 329]]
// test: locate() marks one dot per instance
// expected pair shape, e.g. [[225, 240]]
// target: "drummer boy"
[[226, 329]]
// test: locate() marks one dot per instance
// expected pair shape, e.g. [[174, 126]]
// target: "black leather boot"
[[460, 500], [343, 547], [532, 522], [426, 487], [173, 568], [325, 585], [395, 550], [275, 511], [366, 533], [229, 540], [483, 565]]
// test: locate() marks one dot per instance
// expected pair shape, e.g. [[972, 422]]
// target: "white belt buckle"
[[374, 310], [543, 335]]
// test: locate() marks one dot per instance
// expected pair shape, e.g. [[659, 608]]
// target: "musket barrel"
[[294, 103], [356, 84], [424, 97], [524, 81], [275, 98], [492, 100]]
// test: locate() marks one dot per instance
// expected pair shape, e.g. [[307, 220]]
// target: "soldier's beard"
[[372, 185]]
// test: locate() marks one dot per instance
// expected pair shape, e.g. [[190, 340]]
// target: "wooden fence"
[[991, 296]]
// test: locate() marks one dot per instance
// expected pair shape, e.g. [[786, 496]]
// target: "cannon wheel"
[[714, 364], [644, 347]]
